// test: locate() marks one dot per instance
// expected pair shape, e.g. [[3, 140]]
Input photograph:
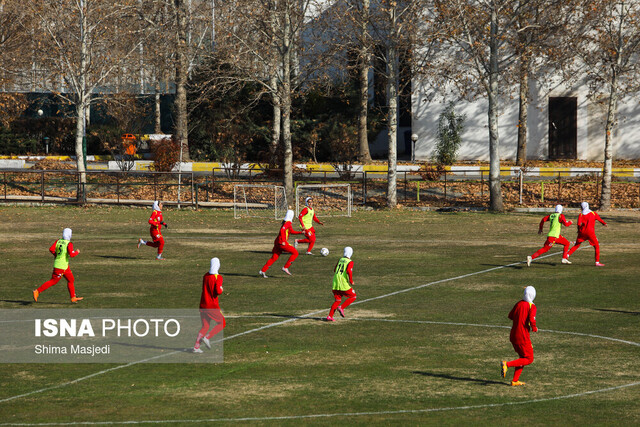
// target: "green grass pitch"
[[429, 355]]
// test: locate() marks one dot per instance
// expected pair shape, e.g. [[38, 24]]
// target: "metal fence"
[[215, 188]]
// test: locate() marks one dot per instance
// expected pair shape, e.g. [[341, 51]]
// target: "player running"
[[342, 284], [307, 217], [586, 231], [209, 307], [523, 315], [281, 244], [62, 250], [556, 220], [156, 230]]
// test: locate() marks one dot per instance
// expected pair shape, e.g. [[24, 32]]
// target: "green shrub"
[[450, 129]]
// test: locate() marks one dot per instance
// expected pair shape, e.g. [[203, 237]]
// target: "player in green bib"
[[307, 217], [342, 282], [62, 250], [556, 221]]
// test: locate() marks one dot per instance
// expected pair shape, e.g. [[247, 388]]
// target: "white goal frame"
[[273, 206], [316, 191]]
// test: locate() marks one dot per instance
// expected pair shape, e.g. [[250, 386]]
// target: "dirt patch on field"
[[249, 390], [231, 246], [212, 231]]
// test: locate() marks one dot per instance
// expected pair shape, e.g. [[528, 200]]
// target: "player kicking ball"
[[523, 315], [209, 307], [586, 231], [342, 284], [281, 244], [556, 221], [155, 221], [307, 217], [63, 251]]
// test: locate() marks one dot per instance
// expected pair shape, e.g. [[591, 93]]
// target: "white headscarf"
[[529, 294], [348, 252], [306, 200], [66, 234], [288, 216], [585, 208], [215, 266], [559, 209], [156, 206]]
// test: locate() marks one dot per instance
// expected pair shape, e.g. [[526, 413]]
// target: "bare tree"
[[82, 44], [610, 51]]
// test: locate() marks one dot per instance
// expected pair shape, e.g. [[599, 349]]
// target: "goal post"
[[328, 199], [259, 201]]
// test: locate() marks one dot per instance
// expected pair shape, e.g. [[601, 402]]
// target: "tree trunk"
[[495, 189], [157, 112], [80, 141], [182, 70], [392, 113], [363, 79], [605, 196], [286, 111], [277, 124], [521, 156]]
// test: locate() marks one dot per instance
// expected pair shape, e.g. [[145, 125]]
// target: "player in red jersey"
[[156, 230], [62, 250], [586, 231], [556, 221], [281, 244], [307, 217], [523, 315], [342, 284], [209, 307]]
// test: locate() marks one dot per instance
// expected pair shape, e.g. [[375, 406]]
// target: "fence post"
[[542, 191], [445, 184], [196, 198], [118, 186], [481, 184], [42, 185], [417, 191], [213, 177], [5, 185], [192, 194], [364, 188], [559, 188], [405, 186], [155, 186], [521, 179]]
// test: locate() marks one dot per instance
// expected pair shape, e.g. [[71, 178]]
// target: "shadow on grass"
[[153, 347], [21, 302], [515, 267], [262, 252], [291, 316], [635, 313], [115, 257], [253, 276], [451, 377]]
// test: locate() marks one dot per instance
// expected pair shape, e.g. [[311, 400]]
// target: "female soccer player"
[[62, 250], [586, 231], [523, 315], [156, 230], [556, 220], [281, 244], [342, 284], [209, 307], [306, 218]]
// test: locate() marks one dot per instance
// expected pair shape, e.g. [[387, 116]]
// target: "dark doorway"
[[563, 127]]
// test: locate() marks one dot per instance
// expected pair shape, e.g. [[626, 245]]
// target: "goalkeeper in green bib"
[[342, 282], [62, 250], [556, 220]]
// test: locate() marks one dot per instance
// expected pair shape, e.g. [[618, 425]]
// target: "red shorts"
[[278, 249], [212, 314], [524, 349], [339, 294], [309, 233], [155, 234], [593, 241]]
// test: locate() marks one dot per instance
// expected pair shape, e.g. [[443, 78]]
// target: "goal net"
[[328, 199], [259, 201]]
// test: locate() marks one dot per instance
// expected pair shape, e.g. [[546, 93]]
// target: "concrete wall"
[[427, 107]]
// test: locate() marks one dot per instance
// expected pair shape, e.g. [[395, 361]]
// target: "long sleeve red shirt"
[[523, 315], [211, 289], [303, 213], [156, 220], [283, 235], [587, 223], [72, 252]]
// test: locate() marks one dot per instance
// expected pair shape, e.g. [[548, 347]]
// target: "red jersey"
[[587, 223], [211, 289], [156, 220], [72, 252], [283, 235], [523, 315]]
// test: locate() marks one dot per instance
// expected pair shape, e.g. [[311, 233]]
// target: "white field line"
[[271, 325]]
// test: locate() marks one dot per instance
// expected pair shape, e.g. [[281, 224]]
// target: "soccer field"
[[422, 344]]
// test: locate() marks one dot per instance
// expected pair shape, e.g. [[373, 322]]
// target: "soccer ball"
[[324, 251]]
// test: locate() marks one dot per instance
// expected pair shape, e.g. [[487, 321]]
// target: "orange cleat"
[[76, 299], [36, 294], [517, 383], [503, 368]]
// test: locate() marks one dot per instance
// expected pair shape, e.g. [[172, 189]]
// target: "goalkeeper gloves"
[[165, 224]]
